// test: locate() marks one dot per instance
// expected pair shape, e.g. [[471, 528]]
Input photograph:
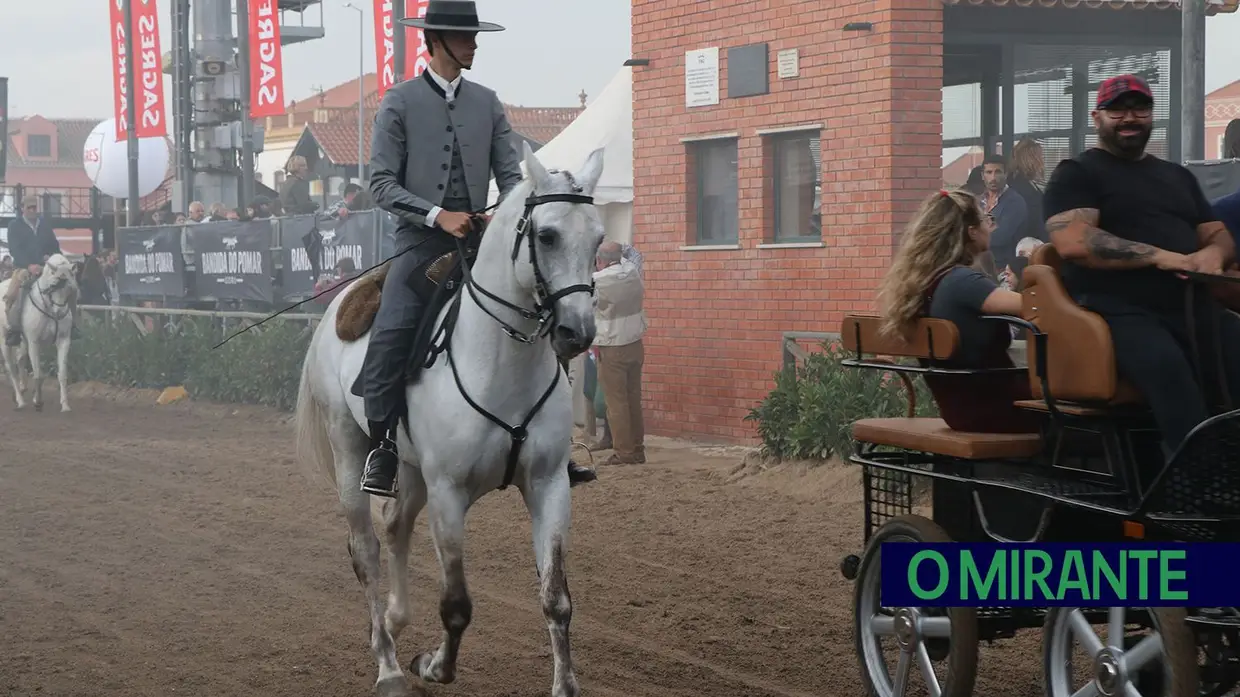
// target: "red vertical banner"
[[117, 29], [385, 45], [266, 60], [149, 95], [417, 58]]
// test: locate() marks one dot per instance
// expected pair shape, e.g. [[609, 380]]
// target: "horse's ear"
[[538, 173], [591, 171]]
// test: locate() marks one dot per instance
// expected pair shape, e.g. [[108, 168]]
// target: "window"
[[796, 174], [38, 146], [52, 204], [713, 171]]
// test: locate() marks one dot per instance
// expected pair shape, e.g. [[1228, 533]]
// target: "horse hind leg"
[[400, 517], [13, 366], [349, 447], [550, 507], [447, 513]]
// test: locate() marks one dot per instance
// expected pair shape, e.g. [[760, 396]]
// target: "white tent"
[[607, 123]]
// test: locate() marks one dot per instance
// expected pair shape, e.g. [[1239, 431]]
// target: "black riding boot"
[[379, 477], [578, 474]]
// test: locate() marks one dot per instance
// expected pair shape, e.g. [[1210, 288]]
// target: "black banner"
[[4, 126], [1217, 177], [352, 238], [151, 263], [233, 260]]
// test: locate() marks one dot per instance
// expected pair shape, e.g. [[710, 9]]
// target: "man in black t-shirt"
[[1125, 222]]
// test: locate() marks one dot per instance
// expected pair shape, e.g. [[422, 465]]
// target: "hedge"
[[809, 414], [261, 366]]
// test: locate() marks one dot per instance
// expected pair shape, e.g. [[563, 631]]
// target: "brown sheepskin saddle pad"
[[361, 301]]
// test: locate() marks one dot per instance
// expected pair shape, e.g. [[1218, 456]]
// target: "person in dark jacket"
[[295, 192], [31, 241], [1026, 179]]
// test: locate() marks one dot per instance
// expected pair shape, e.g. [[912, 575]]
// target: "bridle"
[[546, 301]]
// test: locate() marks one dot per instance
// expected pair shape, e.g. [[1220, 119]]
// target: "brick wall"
[[717, 315]]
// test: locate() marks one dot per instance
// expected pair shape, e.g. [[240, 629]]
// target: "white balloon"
[[106, 161]]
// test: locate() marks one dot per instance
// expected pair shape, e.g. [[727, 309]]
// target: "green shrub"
[[810, 412], [261, 366]]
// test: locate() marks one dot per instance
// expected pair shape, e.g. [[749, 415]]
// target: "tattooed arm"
[[1077, 238]]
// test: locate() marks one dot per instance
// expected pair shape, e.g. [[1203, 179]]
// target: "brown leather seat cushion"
[[930, 435]]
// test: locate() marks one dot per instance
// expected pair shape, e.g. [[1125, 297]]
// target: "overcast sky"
[[56, 52]]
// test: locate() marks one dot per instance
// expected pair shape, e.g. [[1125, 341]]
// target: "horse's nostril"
[[565, 334]]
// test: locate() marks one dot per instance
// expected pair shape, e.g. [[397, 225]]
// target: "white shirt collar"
[[449, 88]]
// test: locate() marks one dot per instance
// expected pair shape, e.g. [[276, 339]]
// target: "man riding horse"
[[31, 241], [437, 139]]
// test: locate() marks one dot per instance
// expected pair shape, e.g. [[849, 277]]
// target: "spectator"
[[295, 192], [621, 324], [1028, 177], [197, 212], [351, 198], [219, 213], [92, 284], [331, 285], [1009, 211], [261, 208]]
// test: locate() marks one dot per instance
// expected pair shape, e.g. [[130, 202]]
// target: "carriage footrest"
[[932, 435]]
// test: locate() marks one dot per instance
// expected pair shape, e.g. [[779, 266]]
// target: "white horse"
[[45, 318], [532, 278]]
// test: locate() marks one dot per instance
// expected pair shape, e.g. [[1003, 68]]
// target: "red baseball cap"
[[1113, 88]]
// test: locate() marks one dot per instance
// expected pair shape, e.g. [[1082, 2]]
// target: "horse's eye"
[[546, 237]]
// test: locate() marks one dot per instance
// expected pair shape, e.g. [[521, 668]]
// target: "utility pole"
[[214, 43], [182, 104], [246, 191], [361, 91], [1193, 80], [131, 119]]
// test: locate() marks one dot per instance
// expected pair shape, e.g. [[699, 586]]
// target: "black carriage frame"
[[1111, 487]]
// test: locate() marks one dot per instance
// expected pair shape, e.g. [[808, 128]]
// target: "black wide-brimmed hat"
[[450, 15]]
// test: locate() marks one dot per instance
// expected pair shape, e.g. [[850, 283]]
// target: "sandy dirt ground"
[[150, 550]]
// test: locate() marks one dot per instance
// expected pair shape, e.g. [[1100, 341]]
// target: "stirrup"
[[372, 464]]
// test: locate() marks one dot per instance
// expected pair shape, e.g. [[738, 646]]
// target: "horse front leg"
[[62, 370], [400, 517], [550, 505], [13, 365], [349, 446], [36, 369], [448, 505]]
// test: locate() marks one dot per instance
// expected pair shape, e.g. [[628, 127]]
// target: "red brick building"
[[773, 203], [720, 295], [45, 160]]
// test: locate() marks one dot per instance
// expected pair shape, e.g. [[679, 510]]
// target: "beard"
[[1131, 144]]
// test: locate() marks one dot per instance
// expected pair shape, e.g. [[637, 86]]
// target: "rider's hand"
[[342, 213], [1208, 260], [455, 224]]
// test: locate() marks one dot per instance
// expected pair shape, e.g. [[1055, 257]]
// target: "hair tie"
[[944, 193]]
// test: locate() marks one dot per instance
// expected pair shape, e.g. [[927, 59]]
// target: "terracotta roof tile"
[[71, 139]]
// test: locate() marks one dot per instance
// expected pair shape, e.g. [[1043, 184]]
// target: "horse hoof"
[[64, 409], [422, 667], [395, 686]]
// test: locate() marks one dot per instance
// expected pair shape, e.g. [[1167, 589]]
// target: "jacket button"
[[449, 129], [445, 166], [447, 148], [452, 105], [441, 187]]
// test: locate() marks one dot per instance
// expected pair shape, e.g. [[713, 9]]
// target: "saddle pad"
[[360, 304]]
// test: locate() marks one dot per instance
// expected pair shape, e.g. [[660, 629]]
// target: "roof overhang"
[[1213, 7]]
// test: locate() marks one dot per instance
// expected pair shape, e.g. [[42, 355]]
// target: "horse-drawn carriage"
[[1095, 473]]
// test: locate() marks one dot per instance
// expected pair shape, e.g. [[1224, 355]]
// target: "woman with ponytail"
[[932, 276]]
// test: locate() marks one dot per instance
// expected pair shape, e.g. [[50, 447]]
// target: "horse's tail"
[[314, 450]]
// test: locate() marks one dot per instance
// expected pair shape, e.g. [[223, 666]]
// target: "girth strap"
[[518, 434]]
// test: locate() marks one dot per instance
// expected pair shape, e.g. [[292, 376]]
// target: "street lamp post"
[[361, 92]]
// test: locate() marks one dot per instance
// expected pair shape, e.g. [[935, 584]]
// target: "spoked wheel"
[[899, 647], [1157, 660]]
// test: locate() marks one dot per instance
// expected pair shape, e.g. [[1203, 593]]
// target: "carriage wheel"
[[1162, 663], [897, 646]]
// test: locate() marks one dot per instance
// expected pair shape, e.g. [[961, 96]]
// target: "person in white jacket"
[[620, 322]]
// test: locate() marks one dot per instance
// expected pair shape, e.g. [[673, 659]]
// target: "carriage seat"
[[936, 339], [1081, 369]]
